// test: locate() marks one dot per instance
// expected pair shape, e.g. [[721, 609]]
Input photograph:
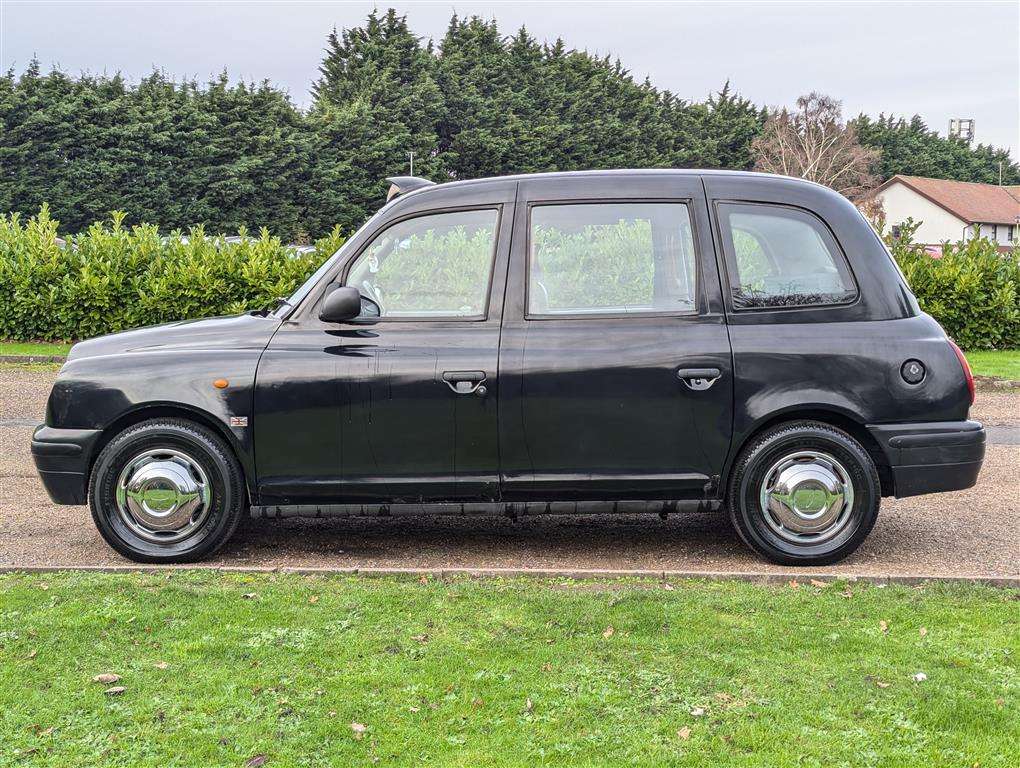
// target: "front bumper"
[[930, 457], [62, 458]]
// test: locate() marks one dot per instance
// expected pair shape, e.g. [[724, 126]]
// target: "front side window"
[[430, 266], [607, 258], [782, 257]]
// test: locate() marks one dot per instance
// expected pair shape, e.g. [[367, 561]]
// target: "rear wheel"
[[166, 491], [804, 493]]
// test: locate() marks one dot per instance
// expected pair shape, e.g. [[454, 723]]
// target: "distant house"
[[951, 210]]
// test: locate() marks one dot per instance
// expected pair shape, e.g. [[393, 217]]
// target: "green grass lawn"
[[33, 348], [336, 671], [1003, 364]]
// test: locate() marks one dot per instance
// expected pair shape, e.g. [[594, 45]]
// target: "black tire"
[[760, 456], [227, 498]]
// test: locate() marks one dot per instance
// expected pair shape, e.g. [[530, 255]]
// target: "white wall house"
[[952, 210]]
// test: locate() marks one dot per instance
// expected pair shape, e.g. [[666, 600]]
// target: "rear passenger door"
[[615, 369]]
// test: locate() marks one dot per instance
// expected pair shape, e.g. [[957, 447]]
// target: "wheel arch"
[[830, 415], [156, 410]]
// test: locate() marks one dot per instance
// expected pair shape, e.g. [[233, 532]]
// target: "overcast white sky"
[[937, 59]]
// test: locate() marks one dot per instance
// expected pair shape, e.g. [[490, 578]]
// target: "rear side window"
[[782, 257], [610, 258]]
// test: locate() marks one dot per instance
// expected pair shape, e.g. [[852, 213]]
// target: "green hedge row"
[[110, 277], [971, 289]]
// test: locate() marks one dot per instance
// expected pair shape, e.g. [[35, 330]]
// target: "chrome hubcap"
[[163, 495], [806, 497]]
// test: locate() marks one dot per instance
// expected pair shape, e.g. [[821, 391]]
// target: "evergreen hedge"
[[971, 289], [474, 102], [110, 277]]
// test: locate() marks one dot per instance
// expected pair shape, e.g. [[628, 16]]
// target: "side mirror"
[[342, 303]]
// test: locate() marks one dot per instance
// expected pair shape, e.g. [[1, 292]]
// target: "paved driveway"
[[970, 533]]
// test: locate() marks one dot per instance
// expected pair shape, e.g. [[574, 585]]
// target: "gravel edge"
[[753, 577], [32, 359]]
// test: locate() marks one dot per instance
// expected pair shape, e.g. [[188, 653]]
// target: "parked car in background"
[[300, 250], [567, 343]]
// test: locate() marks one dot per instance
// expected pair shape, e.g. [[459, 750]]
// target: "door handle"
[[698, 379], [466, 382]]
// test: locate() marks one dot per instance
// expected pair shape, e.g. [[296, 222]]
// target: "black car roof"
[[621, 172]]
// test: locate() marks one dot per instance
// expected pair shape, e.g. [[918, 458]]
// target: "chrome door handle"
[[466, 382], [698, 379]]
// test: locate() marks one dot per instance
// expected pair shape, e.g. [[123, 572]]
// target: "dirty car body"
[[570, 342]]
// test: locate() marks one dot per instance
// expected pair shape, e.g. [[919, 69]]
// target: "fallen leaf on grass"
[[420, 638], [32, 653], [106, 678], [117, 690], [313, 599], [684, 733], [883, 625], [608, 631], [359, 730], [256, 762], [547, 667], [161, 665], [922, 631], [793, 584], [817, 583], [881, 684], [528, 705]]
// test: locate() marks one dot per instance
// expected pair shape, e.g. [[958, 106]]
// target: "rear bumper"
[[930, 457], [62, 458]]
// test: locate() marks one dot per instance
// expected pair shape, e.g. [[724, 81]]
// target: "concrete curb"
[[573, 574]]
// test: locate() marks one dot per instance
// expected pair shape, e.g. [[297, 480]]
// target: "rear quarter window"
[[782, 257]]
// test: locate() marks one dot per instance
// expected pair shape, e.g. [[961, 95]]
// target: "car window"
[[603, 258], [437, 265], [782, 257]]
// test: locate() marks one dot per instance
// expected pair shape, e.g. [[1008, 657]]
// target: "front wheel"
[[804, 493], [166, 491]]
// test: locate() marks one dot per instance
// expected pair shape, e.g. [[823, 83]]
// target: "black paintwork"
[[573, 409]]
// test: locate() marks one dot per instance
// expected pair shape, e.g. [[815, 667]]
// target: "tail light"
[[966, 369]]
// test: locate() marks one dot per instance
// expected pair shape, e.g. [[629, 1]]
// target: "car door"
[[399, 407], [615, 368]]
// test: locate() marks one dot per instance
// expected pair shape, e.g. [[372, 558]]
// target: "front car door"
[[615, 369], [399, 407]]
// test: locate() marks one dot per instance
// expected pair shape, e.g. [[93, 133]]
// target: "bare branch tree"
[[814, 143]]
